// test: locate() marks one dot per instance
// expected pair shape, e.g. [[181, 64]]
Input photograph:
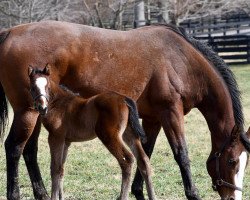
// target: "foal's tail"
[[134, 119], [3, 112]]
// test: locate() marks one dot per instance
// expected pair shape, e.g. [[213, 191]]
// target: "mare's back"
[[134, 56]]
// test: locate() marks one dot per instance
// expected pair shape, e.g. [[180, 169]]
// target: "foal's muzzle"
[[39, 104], [41, 110]]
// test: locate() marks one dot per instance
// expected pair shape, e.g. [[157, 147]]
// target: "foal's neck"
[[62, 98]]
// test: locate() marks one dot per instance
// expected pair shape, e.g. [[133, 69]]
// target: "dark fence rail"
[[214, 26], [225, 28], [229, 37], [234, 49]]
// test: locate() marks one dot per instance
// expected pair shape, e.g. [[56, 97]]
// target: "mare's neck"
[[216, 106]]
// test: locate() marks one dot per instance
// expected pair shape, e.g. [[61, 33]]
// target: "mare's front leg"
[[22, 127], [30, 157], [152, 129], [173, 124], [57, 146]]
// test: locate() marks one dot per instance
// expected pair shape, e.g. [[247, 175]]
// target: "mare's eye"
[[232, 162]]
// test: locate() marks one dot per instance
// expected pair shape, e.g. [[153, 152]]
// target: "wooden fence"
[[234, 49], [218, 27], [229, 37]]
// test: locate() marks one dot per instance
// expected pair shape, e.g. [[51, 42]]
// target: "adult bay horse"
[[111, 117], [161, 68]]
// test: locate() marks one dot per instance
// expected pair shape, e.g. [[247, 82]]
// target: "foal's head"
[[227, 164], [39, 85]]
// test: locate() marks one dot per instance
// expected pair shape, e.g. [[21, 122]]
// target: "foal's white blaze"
[[238, 179], [41, 83]]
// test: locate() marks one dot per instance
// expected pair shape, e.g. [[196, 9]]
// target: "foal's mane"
[[222, 68], [3, 36], [67, 90]]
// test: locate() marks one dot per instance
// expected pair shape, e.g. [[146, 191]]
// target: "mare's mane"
[[220, 66]]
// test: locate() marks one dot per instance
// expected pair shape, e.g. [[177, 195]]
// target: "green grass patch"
[[92, 173]]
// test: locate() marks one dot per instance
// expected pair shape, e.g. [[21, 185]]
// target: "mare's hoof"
[[138, 194], [193, 195]]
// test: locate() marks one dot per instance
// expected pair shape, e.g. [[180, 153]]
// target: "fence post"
[[248, 49]]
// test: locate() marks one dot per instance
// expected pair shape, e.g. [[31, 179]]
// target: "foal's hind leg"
[[114, 144], [173, 124], [22, 127], [151, 129], [30, 157], [142, 160]]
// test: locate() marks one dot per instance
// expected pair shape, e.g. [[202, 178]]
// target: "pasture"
[[92, 173]]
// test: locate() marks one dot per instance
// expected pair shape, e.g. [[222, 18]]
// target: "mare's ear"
[[245, 140], [235, 133], [46, 70], [248, 133], [30, 70]]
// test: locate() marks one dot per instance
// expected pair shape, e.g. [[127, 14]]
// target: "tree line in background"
[[115, 13]]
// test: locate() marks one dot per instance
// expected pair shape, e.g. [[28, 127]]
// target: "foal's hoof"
[[46, 197]]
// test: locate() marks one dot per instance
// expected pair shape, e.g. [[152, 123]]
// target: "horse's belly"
[[75, 136]]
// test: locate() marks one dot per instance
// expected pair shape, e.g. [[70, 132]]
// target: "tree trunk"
[[163, 5], [139, 14]]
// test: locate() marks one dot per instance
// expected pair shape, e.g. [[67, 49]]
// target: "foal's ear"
[[46, 70], [30, 70]]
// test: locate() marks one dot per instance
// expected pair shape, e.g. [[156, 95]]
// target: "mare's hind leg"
[[151, 129], [30, 157], [142, 160], [21, 129], [114, 144], [173, 125]]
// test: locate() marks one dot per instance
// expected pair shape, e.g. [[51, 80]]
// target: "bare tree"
[[176, 11], [139, 13], [114, 13]]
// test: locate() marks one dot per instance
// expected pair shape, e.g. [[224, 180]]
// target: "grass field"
[[92, 173]]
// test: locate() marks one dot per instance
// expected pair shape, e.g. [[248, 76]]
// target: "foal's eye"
[[232, 162]]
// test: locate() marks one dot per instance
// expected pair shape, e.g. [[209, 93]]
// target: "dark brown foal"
[[111, 117]]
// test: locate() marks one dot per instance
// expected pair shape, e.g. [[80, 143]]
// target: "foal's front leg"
[[57, 146], [65, 153]]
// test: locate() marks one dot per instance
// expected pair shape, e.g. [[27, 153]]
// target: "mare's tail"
[[134, 120], [3, 101], [3, 112]]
